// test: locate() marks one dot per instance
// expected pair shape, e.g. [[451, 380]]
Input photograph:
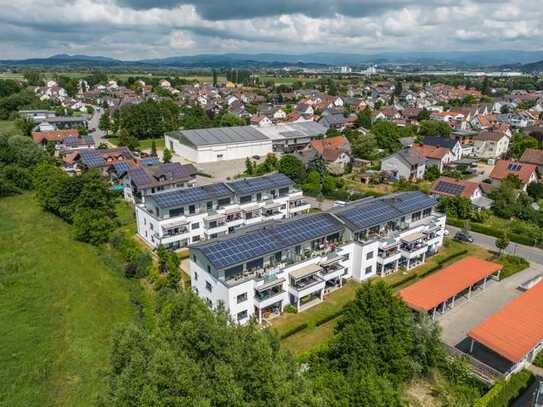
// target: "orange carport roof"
[[433, 290], [515, 329]]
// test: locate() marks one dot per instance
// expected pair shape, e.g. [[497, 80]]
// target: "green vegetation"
[[538, 361], [506, 391], [144, 144], [511, 265], [59, 305]]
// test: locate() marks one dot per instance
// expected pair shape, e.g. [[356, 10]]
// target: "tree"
[[249, 169], [92, 226], [535, 190], [387, 136], [230, 120], [128, 140], [215, 78], [292, 167], [153, 148], [502, 243], [424, 114], [363, 118], [105, 122], [33, 78], [398, 89], [166, 155], [519, 143], [434, 128], [431, 173]]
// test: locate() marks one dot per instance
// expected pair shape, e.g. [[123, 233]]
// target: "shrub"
[[506, 391], [330, 317], [290, 309], [294, 330]]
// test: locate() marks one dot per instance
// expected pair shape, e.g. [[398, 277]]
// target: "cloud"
[[134, 29]]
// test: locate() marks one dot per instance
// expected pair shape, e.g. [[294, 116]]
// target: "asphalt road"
[[97, 135], [532, 254]]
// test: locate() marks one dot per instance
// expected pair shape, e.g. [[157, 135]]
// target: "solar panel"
[[241, 248], [150, 161], [514, 167], [188, 196], [449, 188], [121, 167], [251, 185]]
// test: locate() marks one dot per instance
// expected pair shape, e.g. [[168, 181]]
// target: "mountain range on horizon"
[[508, 58]]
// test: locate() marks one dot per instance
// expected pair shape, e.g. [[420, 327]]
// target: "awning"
[[272, 205], [413, 237], [232, 210], [216, 216], [251, 208], [305, 271], [175, 223], [332, 258], [271, 284]]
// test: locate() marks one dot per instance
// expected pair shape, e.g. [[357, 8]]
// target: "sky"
[[139, 29]]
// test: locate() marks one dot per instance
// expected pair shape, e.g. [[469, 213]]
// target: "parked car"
[[463, 236]]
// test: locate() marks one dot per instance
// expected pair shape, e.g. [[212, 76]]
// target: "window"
[[194, 258], [241, 298], [192, 209], [195, 239], [427, 212], [242, 315], [369, 256], [369, 269], [283, 191], [177, 212], [152, 226], [195, 226], [213, 224], [219, 155], [209, 269], [259, 196], [415, 217], [224, 201], [209, 303], [245, 199], [209, 286], [195, 276], [210, 205]]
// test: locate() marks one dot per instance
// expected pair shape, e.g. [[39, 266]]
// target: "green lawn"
[[59, 304], [145, 144]]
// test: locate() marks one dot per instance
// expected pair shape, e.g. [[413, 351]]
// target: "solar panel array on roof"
[[91, 158], [149, 161], [121, 167], [220, 135], [139, 177], [377, 211], [255, 244], [251, 185], [171, 199], [514, 167], [449, 188]]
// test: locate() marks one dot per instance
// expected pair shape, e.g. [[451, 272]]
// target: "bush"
[[294, 330], [330, 317], [506, 391], [290, 309], [511, 265]]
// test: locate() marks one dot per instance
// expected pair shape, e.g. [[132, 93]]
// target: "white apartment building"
[[258, 271], [177, 218]]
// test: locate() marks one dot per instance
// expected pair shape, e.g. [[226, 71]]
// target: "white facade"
[[199, 222], [301, 276], [218, 152], [491, 148]]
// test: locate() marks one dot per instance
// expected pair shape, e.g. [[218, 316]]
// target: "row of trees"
[[84, 200], [195, 356]]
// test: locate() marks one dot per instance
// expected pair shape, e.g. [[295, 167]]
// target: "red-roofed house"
[[336, 151], [438, 156], [533, 156], [56, 136], [526, 173]]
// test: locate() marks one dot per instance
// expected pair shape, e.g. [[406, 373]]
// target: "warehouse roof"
[[515, 329], [435, 289], [218, 135]]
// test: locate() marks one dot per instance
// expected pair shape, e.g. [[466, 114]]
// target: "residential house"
[[526, 173], [336, 152], [490, 144], [406, 164], [450, 187], [452, 145], [534, 157], [435, 156]]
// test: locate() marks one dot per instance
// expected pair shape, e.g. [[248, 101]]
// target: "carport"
[[440, 290]]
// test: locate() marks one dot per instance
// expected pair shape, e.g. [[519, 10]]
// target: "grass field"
[[145, 144], [59, 305]]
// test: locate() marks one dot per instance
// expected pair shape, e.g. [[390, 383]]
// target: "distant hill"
[[449, 59], [533, 67]]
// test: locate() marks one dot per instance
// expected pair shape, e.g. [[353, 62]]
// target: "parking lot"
[[219, 171]]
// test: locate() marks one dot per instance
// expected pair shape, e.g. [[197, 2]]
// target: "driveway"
[[98, 134], [484, 170], [466, 314]]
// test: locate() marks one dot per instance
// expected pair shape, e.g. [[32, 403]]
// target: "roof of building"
[[218, 135], [431, 291], [489, 136], [96, 157], [53, 135], [368, 212], [256, 184], [68, 119], [160, 174], [251, 244], [432, 152], [453, 187], [331, 147], [283, 131], [516, 328], [444, 142], [411, 156], [532, 156], [181, 197], [503, 168]]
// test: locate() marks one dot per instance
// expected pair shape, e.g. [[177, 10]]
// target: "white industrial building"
[[216, 144], [240, 142], [256, 272]]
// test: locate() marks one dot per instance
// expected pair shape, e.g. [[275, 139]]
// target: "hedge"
[[329, 317], [294, 330], [505, 392], [491, 231]]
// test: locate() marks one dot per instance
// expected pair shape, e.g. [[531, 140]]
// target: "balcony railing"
[[306, 282], [267, 294]]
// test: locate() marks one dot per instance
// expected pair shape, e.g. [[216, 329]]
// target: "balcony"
[[306, 281], [269, 293]]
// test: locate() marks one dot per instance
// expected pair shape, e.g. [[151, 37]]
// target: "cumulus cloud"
[[134, 29]]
